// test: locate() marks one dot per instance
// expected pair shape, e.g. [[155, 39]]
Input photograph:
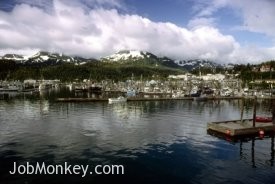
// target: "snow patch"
[[26, 57], [125, 55], [36, 55], [13, 57], [44, 57]]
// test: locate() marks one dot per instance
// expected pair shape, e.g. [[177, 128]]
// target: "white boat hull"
[[117, 100]]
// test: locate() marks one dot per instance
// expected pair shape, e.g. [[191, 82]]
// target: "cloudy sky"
[[220, 30]]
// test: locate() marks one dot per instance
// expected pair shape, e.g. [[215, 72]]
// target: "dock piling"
[[273, 112], [242, 109], [254, 110]]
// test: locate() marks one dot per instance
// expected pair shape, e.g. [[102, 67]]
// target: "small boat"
[[44, 86], [117, 100], [10, 88], [262, 119], [131, 93]]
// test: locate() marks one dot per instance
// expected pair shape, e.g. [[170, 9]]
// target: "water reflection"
[[258, 153], [251, 148], [162, 141], [131, 125]]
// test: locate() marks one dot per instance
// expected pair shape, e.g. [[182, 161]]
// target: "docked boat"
[[178, 94], [262, 119], [44, 85], [117, 100], [10, 88], [131, 93]]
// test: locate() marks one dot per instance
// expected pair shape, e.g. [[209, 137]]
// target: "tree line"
[[9, 70]]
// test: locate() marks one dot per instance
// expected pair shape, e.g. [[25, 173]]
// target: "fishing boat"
[[262, 119], [44, 86], [131, 93], [117, 100], [11, 88]]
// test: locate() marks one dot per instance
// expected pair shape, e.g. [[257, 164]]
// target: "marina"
[[137, 92]]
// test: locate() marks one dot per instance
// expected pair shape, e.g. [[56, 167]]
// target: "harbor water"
[[155, 141]]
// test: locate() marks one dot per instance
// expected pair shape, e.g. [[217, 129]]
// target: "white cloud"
[[206, 8], [258, 16], [201, 21], [99, 32], [85, 4], [109, 3], [252, 54]]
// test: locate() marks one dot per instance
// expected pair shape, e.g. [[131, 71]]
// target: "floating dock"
[[240, 128]]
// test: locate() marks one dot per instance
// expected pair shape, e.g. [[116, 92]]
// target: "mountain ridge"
[[120, 57]]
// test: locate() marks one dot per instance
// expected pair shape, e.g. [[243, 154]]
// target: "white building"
[[217, 77], [185, 77]]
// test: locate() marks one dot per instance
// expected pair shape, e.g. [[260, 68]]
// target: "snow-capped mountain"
[[229, 66], [43, 57], [141, 57], [14, 57], [127, 55], [134, 55], [197, 63]]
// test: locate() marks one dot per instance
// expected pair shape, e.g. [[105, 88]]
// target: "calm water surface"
[[157, 142]]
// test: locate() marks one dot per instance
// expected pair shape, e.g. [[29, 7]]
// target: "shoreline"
[[142, 99]]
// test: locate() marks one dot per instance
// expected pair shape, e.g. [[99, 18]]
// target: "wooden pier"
[[240, 128]]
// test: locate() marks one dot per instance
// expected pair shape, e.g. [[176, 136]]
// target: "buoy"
[[228, 132], [261, 132]]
